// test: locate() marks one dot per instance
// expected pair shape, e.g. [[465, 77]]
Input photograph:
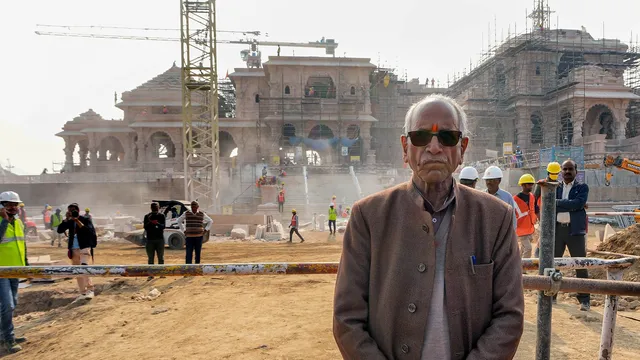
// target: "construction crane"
[[251, 56], [620, 163], [198, 39]]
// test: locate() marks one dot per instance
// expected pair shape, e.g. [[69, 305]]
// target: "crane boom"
[[329, 44], [619, 163]]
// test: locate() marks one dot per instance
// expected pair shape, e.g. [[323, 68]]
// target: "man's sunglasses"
[[445, 137]]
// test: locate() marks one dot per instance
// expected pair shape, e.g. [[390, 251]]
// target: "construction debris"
[[152, 295], [626, 241]]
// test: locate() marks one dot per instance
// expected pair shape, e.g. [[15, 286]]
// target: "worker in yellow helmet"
[[87, 213], [526, 214], [13, 252]]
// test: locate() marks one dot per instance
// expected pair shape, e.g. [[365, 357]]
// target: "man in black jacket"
[[82, 240], [154, 223]]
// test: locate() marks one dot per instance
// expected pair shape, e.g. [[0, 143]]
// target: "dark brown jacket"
[[387, 272]]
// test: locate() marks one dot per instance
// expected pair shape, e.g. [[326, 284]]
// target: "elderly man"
[[430, 269]]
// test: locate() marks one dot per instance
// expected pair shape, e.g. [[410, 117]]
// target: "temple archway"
[[565, 133], [288, 131], [111, 149], [321, 87], [162, 147], [599, 120], [321, 131], [537, 136], [227, 144]]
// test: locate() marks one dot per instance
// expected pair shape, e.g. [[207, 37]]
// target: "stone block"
[[242, 226], [608, 232], [238, 234]]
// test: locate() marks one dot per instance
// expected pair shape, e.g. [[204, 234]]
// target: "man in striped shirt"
[[194, 223]]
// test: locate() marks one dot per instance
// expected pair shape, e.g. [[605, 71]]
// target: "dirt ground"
[[239, 317]]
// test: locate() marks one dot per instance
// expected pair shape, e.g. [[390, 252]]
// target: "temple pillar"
[[93, 156], [68, 155], [577, 132]]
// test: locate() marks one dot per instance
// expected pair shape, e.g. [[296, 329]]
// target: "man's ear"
[[464, 142], [405, 144]]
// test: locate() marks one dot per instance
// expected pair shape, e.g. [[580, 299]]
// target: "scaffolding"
[[533, 87], [320, 101]]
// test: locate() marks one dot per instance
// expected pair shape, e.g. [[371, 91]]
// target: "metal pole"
[[609, 317], [547, 242]]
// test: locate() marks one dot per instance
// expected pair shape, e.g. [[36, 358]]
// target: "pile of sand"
[[625, 241]]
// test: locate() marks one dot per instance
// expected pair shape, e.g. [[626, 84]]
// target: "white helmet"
[[492, 172], [10, 196], [469, 173]]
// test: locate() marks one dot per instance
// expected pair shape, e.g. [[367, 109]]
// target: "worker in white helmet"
[[13, 252], [492, 178], [469, 176]]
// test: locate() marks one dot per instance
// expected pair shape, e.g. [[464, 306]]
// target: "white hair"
[[418, 108]]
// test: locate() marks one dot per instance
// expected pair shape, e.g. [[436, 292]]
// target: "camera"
[[75, 213]]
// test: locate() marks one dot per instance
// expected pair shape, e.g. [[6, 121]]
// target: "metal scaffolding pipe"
[[547, 245], [566, 263], [168, 270], [604, 287], [609, 317]]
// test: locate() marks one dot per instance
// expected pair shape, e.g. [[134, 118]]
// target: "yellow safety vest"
[[12, 248]]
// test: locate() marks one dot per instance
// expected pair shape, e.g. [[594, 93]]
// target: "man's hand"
[[68, 215], [3, 214]]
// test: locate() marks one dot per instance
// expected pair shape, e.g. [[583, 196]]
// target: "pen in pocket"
[[472, 259]]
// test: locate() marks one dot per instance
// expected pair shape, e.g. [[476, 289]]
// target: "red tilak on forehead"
[[434, 127]]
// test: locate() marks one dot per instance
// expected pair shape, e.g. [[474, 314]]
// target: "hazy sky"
[[46, 81]]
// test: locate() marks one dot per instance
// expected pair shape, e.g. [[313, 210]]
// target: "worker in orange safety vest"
[[526, 214]]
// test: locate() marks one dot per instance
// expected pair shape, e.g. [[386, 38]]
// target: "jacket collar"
[[418, 200]]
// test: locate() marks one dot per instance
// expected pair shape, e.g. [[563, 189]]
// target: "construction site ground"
[[241, 317]]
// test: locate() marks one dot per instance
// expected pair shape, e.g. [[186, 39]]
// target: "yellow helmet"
[[554, 169], [526, 179], [333, 197], [49, 208], [21, 205], [293, 210], [87, 209]]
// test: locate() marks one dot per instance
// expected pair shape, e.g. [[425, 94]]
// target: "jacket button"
[[422, 267], [404, 348], [425, 228], [412, 308]]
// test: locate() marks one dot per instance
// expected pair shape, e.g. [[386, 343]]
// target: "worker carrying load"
[[526, 214], [469, 176]]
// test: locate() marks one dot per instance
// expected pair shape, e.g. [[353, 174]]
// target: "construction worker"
[[46, 217], [526, 214], [333, 216], [281, 201], [56, 220], [13, 252], [333, 200], [81, 242], [553, 171], [492, 178], [295, 222], [469, 176], [87, 213], [194, 223], [22, 213], [154, 224]]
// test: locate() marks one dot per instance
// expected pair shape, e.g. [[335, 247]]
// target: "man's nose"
[[434, 146]]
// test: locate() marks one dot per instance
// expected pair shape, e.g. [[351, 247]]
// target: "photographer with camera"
[[82, 240]]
